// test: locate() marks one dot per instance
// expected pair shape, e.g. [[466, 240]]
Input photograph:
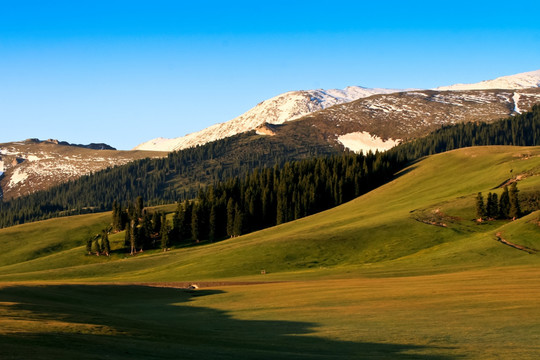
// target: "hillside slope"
[[420, 223], [32, 165]]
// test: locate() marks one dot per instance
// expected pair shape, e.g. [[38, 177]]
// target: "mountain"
[[383, 120], [277, 110], [32, 165], [383, 117], [524, 80]]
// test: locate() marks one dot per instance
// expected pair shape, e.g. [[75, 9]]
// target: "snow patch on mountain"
[[277, 110], [515, 98], [524, 80], [18, 176], [365, 142]]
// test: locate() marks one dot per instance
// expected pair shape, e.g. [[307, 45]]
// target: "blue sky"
[[124, 72]]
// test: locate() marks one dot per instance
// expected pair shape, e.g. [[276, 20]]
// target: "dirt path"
[[515, 246]]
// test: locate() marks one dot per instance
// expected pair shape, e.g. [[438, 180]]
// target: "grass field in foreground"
[[471, 315]]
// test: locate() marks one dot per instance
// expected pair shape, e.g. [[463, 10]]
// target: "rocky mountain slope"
[[380, 121], [377, 118], [277, 110], [33, 165]]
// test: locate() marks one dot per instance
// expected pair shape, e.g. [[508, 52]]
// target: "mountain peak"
[[524, 80], [277, 110]]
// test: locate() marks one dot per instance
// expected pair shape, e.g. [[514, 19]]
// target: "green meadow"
[[403, 272]]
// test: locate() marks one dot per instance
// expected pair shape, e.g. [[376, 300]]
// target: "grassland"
[[402, 272]]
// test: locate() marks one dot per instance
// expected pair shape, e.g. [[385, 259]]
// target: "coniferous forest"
[[301, 187]]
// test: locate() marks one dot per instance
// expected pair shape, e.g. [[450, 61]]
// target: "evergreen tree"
[[195, 223], [146, 231], [493, 206], [89, 245], [504, 204], [213, 224], [139, 206], [133, 237], [127, 237], [515, 209], [106, 246], [230, 217], [185, 220], [116, 216], [156, 222], [98, 245], [480, 207], [164, 232], [238, 221]]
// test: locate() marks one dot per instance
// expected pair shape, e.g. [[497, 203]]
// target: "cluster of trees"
[[99, 244], [143, 230], [272, 196], [507, 206]]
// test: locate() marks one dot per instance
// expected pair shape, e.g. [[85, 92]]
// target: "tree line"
[[180, 175], [159, 181], [272, 196], [264, 198]]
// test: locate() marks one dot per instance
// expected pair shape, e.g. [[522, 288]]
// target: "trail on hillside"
[[515, 246]]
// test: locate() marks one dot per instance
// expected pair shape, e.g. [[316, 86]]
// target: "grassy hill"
[[388, 228], [403, 272]]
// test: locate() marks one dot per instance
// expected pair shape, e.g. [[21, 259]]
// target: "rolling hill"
[[403, 272], [388, 228]]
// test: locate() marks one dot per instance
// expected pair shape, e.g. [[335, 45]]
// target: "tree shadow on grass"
[[142, 322]]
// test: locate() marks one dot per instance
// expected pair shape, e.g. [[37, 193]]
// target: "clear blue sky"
[[124, 72]]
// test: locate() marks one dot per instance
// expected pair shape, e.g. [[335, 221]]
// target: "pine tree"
[[213, 224], [98, 245], [156, 222], [493, 206], [504, 204], [146, 231], [480, 207], [238, 221], [195, 223], [164, 232], [127, 237], [515, 209], [106, 246], [139, 206], [185, 220], [230, 217], [116, 216], [132, 237], [89, 245]]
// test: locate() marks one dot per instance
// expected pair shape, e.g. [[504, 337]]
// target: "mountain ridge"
[[294, 105], [277, 110]]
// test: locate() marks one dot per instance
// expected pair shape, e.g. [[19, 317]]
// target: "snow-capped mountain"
[[524, 80], [277, 110], [32, 165]]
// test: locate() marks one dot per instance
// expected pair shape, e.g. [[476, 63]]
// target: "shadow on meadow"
[[131, 322]]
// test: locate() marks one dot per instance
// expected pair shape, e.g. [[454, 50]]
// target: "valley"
[[365, 279]]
